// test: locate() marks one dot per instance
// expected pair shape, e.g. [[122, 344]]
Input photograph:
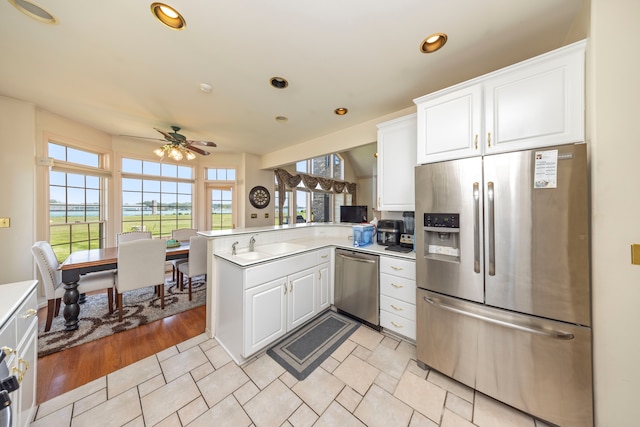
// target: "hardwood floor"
[[68, 369]]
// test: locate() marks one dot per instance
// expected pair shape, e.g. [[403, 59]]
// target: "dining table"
[[90, 261]]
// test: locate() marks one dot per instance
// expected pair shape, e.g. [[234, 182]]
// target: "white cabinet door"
[[27, 363], [537, 103], [301, 298], [324, 286], [396, 162], [265, 314], [450, 124]]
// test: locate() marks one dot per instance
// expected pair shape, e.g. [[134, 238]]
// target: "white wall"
[[614, 127], [17, 189]]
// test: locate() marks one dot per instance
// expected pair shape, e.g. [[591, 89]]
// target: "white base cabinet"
[[20, 334], [398, 296], [259, 304], [535, 103]]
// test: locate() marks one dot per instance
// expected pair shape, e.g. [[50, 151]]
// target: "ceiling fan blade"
[[167, 136], [142, 137], [197, 150], [202, 143]]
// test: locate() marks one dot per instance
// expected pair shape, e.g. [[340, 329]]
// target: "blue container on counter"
[[363, 235]]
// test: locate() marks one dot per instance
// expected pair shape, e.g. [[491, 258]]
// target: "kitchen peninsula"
[[245, 264]]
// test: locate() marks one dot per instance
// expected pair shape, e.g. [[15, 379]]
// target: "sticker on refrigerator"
[[546, 169]]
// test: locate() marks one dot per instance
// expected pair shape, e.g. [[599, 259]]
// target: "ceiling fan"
[[178, 146]]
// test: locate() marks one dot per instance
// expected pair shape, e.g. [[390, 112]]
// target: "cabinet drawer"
[[324, 255], [27, 314], [8, 334], [397, 307], [398, 288], [278, 268], [398, 267], [398, 324]]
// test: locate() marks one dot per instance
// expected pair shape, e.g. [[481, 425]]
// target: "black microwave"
[[354, 214]]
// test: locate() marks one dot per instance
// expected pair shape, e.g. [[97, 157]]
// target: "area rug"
[[307, 348], [140, 306]]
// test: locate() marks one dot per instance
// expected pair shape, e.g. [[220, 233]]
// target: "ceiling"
[[113, 66]]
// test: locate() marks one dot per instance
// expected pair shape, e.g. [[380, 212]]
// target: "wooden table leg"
[[71, 307]]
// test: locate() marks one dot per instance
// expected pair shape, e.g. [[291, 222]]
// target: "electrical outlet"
[[5, 222]]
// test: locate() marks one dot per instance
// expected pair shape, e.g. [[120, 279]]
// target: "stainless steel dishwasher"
[[357, 291]]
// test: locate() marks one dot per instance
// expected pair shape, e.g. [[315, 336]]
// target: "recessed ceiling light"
[[168, 16], [206, 88], [34, 11], [433, 42], [282, 119], [279, 82], [341, 111]]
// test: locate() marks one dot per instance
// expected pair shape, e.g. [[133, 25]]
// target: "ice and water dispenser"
[[442, 236]]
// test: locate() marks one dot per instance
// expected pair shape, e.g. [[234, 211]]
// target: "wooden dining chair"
[[49, 268], [181, 235], [196, 264], [128, 236], [140, 264]]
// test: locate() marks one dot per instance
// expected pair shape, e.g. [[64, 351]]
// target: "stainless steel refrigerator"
[[503, 276]]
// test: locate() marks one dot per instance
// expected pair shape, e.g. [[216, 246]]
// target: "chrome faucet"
[[252, 243], [233, 248]]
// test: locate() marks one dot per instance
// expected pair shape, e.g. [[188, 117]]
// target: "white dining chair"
[[140, 264], [129, 236], [181, 235], [49, 268], [196, 264]]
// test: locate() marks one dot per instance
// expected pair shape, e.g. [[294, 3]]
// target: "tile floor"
[[370, 380]]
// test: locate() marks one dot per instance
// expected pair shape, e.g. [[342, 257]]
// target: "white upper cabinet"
[[450, 124], [535, 103], [396, 162]]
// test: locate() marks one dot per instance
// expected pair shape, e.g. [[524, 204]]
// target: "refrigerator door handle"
[[492, 229], [538, 331], [476, 227]]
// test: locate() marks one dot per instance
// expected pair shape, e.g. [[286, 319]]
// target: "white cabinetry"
[[265, 314], [19, 332], [535, 103], [398, 296], [259, 304], [396, 162], [325, 279]]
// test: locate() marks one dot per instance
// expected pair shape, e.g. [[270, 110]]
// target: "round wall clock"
[[259, 197]]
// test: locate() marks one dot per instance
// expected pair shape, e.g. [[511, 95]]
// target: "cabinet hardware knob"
[[489, 139], [476, 141], [397, 268], [397, 286], [285, 287], [396, 308], [290, 286], [397, 325], [324, 256]]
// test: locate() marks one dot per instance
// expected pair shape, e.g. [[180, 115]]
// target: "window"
[[156, 197], [316, 206], [328, 166], [221, 187], [76, 200]]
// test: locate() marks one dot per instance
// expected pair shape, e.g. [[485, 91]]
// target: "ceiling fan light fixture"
[[34, 11], [168, 16], [433, 43]]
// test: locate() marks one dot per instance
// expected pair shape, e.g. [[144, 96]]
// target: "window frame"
[[67, 167]]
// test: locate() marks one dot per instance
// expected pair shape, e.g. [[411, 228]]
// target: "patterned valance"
[[285, 181]]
